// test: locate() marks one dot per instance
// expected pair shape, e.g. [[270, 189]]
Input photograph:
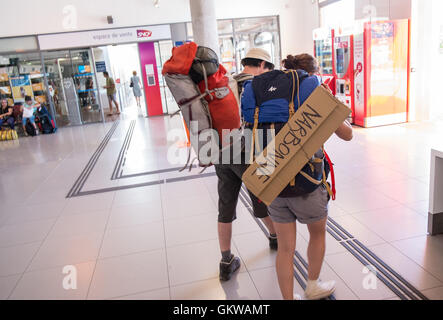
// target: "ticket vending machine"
[[343, 53], [323, 52]]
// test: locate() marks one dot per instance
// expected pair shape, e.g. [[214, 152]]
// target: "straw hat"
[[260, 54]]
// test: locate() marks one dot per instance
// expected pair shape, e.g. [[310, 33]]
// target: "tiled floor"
[[160, 241]]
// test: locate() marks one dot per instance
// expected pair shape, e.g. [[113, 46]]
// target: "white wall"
[[298, 17], [426, 59], [392, 9]]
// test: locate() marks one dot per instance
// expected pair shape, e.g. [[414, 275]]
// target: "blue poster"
[[20, 81]]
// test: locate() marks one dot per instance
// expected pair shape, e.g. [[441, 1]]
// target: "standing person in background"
[[136, 87], [111, 92]]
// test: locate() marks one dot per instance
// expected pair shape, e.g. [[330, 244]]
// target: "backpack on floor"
[[30, 130], [201, 89], [268, 102], [45, 120]]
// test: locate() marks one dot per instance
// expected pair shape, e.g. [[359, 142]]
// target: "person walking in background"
[[111, 92], [136, 87]]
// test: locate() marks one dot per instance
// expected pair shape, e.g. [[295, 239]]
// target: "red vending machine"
[[323, 52], [382, 64], [343, 58]]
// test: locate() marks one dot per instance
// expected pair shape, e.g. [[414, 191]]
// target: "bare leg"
[[316, 248], [116, 105], [224, 236], [110, 106], [287, 235], [269, 224]]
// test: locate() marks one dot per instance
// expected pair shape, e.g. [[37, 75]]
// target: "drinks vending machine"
[[323, 52], [382, 73], [370, 68]]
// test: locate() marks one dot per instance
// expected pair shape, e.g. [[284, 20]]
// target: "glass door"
[[72, 86], [86, 86], [58, 65], [163, 52]]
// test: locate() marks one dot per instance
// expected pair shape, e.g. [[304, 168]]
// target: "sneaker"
[[228, 269], [319, 290], [297, 297], [273, 244]]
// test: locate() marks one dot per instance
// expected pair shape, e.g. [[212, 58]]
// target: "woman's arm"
[[344, 132]]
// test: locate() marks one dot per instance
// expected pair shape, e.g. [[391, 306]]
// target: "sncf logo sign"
[[144, 33]]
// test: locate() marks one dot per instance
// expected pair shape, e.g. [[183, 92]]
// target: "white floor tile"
[[426, 251], [352, 272], [195, 262], [134, 215], [129, 240], [50, 284], [131, 274], [407, 268], [72, 225], [7, 284], [240, 287], [25, 233], [161, 294], [15, 260], [386, 223], [434, 294], [63, 251], [191, 229], [254, 250]]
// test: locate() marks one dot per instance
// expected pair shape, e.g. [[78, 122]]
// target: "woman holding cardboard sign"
[[306, 198], [311, 209]]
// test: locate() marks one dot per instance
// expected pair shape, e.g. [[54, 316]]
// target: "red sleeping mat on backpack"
[[181, 60], [223, 106]]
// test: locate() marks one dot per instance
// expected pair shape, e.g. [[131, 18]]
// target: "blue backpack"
[[268, 102]]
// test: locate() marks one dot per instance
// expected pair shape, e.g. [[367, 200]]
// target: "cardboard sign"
[[305, 133]]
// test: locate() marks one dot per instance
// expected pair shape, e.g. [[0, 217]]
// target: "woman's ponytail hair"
[[302, 61]]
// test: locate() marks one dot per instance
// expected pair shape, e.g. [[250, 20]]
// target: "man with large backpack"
[[256, 62]]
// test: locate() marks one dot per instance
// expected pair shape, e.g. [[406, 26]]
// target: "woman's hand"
[[345, 131]]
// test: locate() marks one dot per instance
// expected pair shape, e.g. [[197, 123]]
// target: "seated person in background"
[[28, 113], [6, 114]]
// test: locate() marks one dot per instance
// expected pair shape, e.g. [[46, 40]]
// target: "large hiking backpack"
[[201, 89], [268, 102]]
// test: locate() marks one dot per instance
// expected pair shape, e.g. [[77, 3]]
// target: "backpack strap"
[[332, 192], [254, 134], [291, 103]]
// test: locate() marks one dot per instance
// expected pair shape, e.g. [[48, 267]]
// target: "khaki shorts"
[[306, 209]]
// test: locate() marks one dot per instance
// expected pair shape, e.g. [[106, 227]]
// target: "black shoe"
[[273, 244], [228, 269]]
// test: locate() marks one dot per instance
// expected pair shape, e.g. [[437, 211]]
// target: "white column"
[[204, 24]]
